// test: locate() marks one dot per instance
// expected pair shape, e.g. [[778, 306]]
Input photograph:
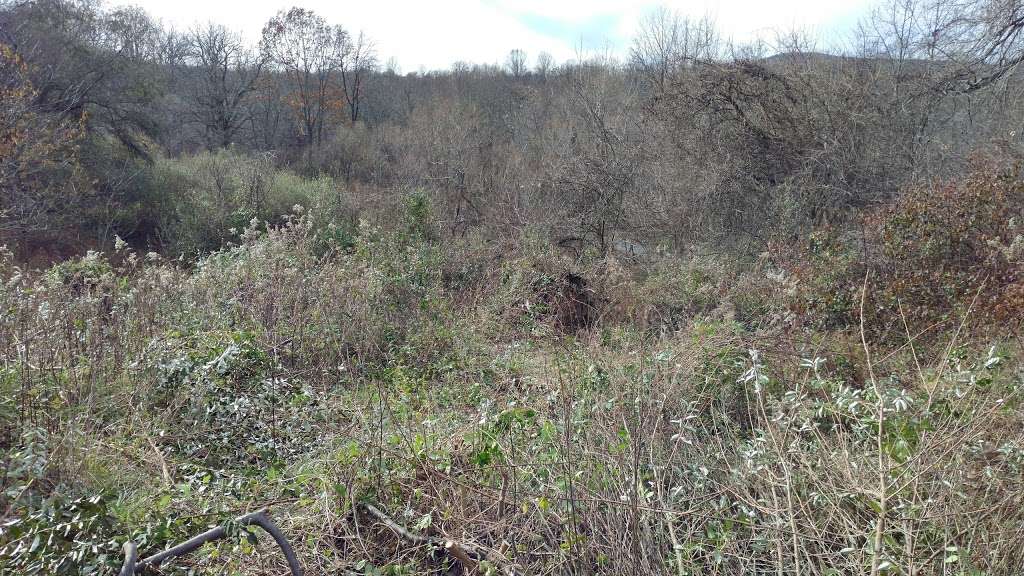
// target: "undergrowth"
[[684, 415]]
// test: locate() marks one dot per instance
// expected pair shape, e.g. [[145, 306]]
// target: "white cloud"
[[433, 35]]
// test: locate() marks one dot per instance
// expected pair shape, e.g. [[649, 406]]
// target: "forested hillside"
[[701, 308]]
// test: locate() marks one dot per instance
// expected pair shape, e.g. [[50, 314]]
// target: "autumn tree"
[[304, 48], [325, 66], [88, 62], [37, 151]]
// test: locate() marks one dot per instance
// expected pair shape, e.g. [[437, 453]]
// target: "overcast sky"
[[429, 35]]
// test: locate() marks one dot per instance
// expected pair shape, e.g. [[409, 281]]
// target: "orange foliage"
[[34, 145], [933, 252], [947, 246]]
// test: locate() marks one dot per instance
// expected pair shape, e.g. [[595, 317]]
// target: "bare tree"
[[228, 76], [515, 63], [972, 42], [356, 60], [601, 166], [132, 33], [544, 65], [667, 42], [172, 48]]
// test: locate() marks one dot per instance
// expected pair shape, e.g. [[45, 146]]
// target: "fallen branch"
[[163, 462], [468, 556]]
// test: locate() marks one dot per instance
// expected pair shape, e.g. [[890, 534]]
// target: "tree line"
[[688, 140]]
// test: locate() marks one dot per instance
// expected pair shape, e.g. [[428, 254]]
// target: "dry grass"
[[413, 378]]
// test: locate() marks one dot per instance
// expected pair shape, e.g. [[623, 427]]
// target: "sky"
[[432, 35]]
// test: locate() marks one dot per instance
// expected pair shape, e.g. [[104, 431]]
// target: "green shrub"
[[419, 217], [83, 275], [62, 537], [211, 197], [230, 401]]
